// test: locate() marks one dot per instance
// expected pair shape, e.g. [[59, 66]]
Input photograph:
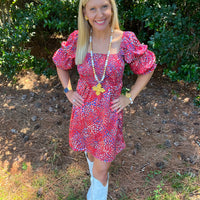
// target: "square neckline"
[[122, 38]]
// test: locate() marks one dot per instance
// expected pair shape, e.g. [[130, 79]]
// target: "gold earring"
[[86, 18]]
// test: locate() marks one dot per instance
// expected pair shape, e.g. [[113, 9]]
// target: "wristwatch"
[[128, 95], [66, 90]]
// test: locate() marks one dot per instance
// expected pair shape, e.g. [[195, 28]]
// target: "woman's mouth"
[[100, 22]]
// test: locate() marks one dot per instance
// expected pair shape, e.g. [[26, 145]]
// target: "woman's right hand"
[[75, 98]]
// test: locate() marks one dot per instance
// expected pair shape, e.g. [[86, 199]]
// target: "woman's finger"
[[115, 101], [120, 103], [79, 100], [75, 98]]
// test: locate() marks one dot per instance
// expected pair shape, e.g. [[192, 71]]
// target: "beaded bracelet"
[[128, 95]]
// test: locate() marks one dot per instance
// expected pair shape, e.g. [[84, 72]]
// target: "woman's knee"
[[100, 170], [101, 167]]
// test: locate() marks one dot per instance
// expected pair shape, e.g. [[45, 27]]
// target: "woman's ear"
[[84, 14]]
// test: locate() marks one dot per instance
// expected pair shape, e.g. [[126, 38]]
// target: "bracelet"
[[131, 100], [128, 95]]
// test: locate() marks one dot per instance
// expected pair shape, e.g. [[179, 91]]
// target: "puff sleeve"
[[64, 58], [140, 59]]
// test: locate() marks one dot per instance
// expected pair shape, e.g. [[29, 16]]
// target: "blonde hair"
[[84, 30]]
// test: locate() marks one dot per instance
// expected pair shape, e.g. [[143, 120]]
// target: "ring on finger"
[[74, 100]]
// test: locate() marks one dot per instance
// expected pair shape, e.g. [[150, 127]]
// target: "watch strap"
[[66, 90]]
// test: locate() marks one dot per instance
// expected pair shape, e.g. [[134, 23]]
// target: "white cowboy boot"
[[97, 190], [90, 163], [89, 195]]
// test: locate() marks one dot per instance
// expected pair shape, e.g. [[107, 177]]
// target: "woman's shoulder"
[[73, 35], [125, 37], [118, 33], [129, 36], [71, 40], [130, 40], [117, 37], [131, 46]]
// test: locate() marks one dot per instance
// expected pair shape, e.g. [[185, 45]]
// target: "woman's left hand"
[[120, 103]]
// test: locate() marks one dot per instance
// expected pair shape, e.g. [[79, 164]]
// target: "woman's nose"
[[99, 13]]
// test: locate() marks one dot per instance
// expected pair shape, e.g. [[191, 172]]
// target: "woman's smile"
[[100, 22], [99, 14]]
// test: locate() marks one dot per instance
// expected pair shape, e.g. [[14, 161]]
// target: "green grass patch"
[[183, 186]]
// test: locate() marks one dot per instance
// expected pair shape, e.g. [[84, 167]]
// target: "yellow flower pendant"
[[98, 89]]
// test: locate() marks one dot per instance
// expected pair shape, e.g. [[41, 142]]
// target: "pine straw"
[[156, 116]]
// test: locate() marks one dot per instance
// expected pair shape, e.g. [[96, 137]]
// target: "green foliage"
[[152, 174], [197, 101], [182, 184], [40, 66], [58, 16], [127, 70], [170, 28], [24, 166], [16, 31], [188, 73]]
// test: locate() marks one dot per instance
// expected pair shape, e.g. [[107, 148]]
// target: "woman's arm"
[[141, 81], [65, 80], [139, 85]]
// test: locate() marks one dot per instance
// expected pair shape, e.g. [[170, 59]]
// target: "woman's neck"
[[101, 35]]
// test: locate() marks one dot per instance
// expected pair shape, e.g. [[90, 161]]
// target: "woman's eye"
[[105, 6], [91, 9]]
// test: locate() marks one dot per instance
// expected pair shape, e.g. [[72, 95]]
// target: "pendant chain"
[[106, 62]]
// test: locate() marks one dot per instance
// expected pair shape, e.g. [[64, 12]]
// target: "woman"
[[100, 50]]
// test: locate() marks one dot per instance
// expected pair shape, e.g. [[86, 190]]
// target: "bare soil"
[[161, 130]]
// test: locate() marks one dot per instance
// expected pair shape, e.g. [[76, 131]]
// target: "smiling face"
[[99, 14]]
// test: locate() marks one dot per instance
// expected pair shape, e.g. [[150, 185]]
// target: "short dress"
[[94, 127]]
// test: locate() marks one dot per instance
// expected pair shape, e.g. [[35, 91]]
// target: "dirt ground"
[[161, 130]]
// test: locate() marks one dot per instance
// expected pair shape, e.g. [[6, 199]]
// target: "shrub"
[[171, 29], [58, 16], [16, 30]]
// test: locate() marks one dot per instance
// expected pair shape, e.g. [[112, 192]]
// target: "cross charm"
[[98, 89]]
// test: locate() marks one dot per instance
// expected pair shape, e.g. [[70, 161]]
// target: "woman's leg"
[[100, 170], [90, 161], [99, 179], [91, 157]]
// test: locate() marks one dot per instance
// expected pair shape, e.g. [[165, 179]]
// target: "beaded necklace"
[[98, 88]]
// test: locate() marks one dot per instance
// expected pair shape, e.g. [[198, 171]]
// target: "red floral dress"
[[94, 127]]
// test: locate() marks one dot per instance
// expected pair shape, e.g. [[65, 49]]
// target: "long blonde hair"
[[84, 30]]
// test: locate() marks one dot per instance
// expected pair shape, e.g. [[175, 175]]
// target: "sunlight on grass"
[[27, 184], [72, 184], [15, 186]]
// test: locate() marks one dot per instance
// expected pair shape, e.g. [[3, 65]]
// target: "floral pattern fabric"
[[94, 127]]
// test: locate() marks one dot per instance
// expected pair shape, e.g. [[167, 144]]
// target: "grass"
[[182, 186], [72, 184], [27, 184]]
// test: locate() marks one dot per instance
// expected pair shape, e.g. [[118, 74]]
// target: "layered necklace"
[[98, 88]]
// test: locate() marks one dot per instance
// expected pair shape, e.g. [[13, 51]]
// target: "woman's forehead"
[[97, 2]]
